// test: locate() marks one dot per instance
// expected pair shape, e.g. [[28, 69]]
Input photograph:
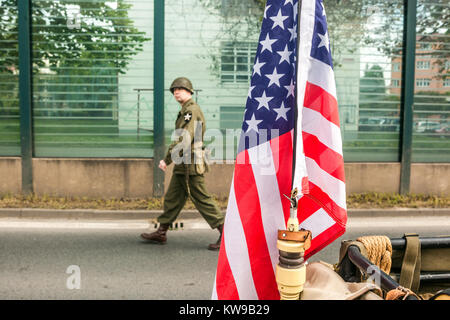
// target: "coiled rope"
[[379, 251]]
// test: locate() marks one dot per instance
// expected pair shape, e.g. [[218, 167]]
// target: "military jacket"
[[187, 151]]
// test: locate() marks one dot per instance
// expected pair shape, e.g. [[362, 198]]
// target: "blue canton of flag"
[[320, 48], [271, 96]]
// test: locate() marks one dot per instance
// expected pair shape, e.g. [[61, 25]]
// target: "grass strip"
[[357, 201]]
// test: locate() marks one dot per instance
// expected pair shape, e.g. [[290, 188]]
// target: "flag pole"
[[292, 243], [295, 111]]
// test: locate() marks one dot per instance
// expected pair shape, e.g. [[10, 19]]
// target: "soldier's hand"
[[162, 165]]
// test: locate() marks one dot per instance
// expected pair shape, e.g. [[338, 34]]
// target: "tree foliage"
[[352, 24], [78, 51], [103, 28]]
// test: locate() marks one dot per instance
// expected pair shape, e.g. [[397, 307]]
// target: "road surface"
[[75, 259]]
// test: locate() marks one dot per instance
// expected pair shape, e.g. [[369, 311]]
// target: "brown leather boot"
[[159, 236], [216, 246]]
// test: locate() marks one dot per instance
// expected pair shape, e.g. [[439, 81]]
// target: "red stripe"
[[249, 208], [225, 285], [325, 238], [282, 151], [337, 213], [306, 208], [321, 101], [327, 159]]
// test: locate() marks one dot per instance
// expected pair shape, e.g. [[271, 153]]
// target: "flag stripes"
[[263, 172], [317, 151], [267, 185], [321, 101], [324, 209], [315, 124], [330, 185], [282, 150], [249, 208], [322, 75]]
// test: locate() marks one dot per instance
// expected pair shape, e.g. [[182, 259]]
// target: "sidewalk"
[[87, 214]]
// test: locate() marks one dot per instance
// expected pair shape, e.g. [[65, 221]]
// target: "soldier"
[[188, 155]]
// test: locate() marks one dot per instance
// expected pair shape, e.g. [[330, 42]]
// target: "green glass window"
[[366, 41], [9, 80], [93, 74], [237, 62], [215, 48], [88, 64], [431, 132]]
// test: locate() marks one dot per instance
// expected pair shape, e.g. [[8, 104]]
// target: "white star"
[[263, 101], [274, 77], [293, 32], [265, 11], [253, 124], [324, 42], [187, 117], [296, 12], [250, 91], [285, 55], [290, 88], [323, 8], [281, 112], [267, 43], [279, 20], [257, 66]]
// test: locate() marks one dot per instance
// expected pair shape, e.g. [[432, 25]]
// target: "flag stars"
[[290, 88], [281, 112], [258, 65], [285, 55], [323, 9], [324, 41], [253, 124], [278, 20], [293, 32], [267, 43], [263, 101], [274, 77], [250, 91], [265, 11], [296, 11]]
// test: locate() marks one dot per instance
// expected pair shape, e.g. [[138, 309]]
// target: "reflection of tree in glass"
[[242, 20], [91, 54], [352, 24], [372, 93], [104, 29]]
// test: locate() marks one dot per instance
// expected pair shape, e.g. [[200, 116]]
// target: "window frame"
[[241, 49]]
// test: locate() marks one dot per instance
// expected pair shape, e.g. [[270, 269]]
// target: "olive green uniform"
[[187, 178]]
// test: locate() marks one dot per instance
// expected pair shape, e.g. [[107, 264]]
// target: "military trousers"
[[178, 193]]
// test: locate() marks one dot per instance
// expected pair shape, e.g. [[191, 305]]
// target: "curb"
[[88, 214], [399, 212]]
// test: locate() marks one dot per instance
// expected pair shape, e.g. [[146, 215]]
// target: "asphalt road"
[[107, 260]]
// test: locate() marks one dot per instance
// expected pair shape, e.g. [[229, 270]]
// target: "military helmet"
[[182, 82]]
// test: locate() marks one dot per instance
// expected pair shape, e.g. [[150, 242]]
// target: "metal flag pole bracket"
[[292, 244]]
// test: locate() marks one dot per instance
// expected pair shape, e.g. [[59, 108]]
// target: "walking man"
[[187, 180]]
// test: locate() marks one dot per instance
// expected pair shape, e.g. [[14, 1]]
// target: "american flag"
[[263, 171]]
